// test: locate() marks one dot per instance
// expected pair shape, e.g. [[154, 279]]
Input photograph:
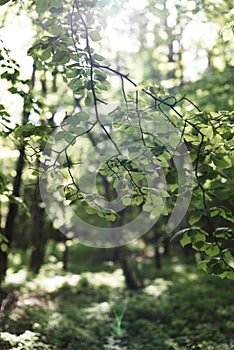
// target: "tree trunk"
[[13, 207], [38, 235], [132, 279], [166, 243], [65, 255], [12, 212], [39, 230], [157, 257]]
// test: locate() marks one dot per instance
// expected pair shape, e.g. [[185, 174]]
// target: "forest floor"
[[89, 308]]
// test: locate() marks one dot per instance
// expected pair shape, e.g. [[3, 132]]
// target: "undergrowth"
[[180, 308]]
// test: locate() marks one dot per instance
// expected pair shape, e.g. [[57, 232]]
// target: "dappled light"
[[114, 279], [116, 175], [70, 308], [158, 287]]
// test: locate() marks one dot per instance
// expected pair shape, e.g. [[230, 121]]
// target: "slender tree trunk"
[[116, 254], [127, 271], [65, 254], [156, 239], [166, 244], [157, 257], [171, 73], [0, 217], [38, 235], [39, 231], [12, 211], [13, 207]]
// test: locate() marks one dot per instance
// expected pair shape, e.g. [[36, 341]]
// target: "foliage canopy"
[[154, 136]]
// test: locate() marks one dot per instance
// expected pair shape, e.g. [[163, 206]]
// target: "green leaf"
[[148, 207], [203, 265], [89, 100], [185, 240], [222, 211], [57, 29], [228, 274], [194, 217], [138, 200], [174, 140], [98, 57], [215, 266], [162, 128], [60, 135], [81, 116], [42, 5], [111, 217], [90, 210], [199, 237], [64, 135], [76, 84], [56, 3], [46, 54], [221, 161], [53, 188], [3, 2], [199, 245], [61, 57], [137, 175], [72, 73], [224, 232], [100, 76], [69, 138], [36, 172], [65, 174], [207, 131], [95, 35], [219, 268], [70, 194], [126, 200], [212, 249], [4, 247], [191, 138]]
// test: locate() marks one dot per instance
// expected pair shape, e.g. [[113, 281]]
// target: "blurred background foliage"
[[57, 294]]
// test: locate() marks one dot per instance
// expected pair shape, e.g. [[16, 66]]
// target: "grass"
[[180, 308]]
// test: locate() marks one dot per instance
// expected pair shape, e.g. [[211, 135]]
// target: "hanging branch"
[[165, 105], [159, 102]]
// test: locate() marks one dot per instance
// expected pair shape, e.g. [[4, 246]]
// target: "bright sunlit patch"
[[99, 309], [34, 117], [195, 59], [114, 280], [16, 258], [206, 34], [53, 283], [138, 4], [192, 276], [54, 320], [158, 287], [49, 279], [8, 154], [172, 18], [59, 115], [17, 37], [16, 278], [119, 34], [14, 339], [179, 268]]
